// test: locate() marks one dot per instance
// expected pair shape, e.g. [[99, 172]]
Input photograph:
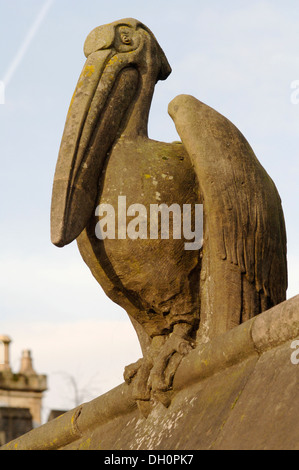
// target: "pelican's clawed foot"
[[131, 370], [140, 390], [137, 374], [176, 346], [153, 375]]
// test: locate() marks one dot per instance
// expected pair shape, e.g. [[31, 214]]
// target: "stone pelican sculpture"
[[175, 298]]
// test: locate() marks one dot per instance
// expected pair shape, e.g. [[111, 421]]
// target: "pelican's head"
[[124, 60], [125, 37]]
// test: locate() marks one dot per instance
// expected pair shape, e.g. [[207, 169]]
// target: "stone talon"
[[154, 374], [141, 391], [163, 397], [184, 348], [172, 367], [175, 347], [145, 407], [131, 370]]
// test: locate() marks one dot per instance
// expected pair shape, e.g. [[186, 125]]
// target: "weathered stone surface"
[[244, 256], [176, 297], [239, 391], [266, 414]]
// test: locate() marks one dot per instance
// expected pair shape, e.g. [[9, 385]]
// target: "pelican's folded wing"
[[241, 203]]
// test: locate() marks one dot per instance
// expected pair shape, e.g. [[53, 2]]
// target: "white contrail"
[[27, 41]]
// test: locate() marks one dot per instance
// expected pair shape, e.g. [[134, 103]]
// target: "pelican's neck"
[[137, 125]]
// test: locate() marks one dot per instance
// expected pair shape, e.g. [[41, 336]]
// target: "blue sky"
[[239, 57]]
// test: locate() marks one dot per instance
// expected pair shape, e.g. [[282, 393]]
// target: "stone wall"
[[240, 391]]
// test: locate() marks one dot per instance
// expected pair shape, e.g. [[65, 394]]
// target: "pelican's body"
[[173, 296], [160, 273]]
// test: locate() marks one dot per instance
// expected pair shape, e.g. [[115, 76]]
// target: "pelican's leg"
[[152, 376], [176, 346], [139, 372]]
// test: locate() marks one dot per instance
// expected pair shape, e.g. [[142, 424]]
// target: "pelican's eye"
[[125, 38]]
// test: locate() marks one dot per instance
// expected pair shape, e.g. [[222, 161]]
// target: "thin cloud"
[[27, 41]]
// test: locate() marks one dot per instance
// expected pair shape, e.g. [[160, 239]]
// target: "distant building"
[[14, 422], [55, 414], [20, 394]]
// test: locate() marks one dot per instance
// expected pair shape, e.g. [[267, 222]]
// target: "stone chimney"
[[4, 353], [23, 389], [26, 363]]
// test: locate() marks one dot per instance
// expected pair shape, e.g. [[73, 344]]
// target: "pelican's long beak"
[[104, 92]]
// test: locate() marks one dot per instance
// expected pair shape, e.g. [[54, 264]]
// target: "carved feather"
[[242, 206]]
